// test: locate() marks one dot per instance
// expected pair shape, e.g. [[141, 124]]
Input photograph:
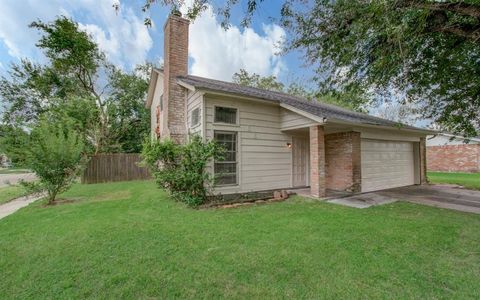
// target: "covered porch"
[[326, 161]]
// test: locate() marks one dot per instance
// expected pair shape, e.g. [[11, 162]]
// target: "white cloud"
[[218, 53], [122, 35], [125, 39]]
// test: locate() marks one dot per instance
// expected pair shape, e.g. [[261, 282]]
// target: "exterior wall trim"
[[304, 114]]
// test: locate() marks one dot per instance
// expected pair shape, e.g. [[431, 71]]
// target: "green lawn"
[[129, 240], [469, 180], [11, 192]]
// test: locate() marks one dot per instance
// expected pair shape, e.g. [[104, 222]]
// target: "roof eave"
[[186, 85], [152, 83], [321, 120], [399, 127], [474, 139], [304, 113]]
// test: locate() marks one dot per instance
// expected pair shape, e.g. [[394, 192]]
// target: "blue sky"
[[124, 38]]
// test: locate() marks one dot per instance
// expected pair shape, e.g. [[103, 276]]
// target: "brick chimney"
[[175, 64]]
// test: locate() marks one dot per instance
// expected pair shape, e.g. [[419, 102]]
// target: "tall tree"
[[350, 101], [255, 80], [416, 47], [77, 82], [128, 117], [13, 143]]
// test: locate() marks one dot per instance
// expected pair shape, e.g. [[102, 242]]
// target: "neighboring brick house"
[[451, 153], [278, 141]]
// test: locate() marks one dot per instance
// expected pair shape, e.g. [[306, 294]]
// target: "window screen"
[[225, 115], [226, 169], [195, 119], [161, 102]]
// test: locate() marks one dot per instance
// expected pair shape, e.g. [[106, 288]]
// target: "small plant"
[[182, 169], [56, 156]]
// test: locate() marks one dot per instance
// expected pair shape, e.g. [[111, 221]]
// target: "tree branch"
[[471, 34], [472, 10]]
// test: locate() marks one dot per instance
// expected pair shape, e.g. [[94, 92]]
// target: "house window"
[[226, 115], [195, 117], [161, 102], [226, 169]]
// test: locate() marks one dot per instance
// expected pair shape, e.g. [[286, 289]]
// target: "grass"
[[11, 192], [129, 240], [468, 180]]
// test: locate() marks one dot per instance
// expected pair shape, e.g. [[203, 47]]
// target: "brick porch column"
[[317, 161], [356, 162], [423, 161]]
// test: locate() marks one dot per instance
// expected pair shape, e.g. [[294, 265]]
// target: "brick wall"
[[343, 161], [176, 64], [454, 158], [317, 161]]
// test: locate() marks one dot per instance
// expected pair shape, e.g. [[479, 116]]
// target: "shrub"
[[182, 169], [56, 156]]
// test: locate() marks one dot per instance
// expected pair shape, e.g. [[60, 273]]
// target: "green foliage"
[[70, 50], [182, 169], [128, 117], [56, 155], [79, 83], [414, 48], [25, 93], [350, 100], [255, 80], [13, 142]]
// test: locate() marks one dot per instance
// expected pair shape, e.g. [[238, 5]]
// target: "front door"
[[300, 161]]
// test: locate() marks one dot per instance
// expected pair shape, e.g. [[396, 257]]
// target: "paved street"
[[6, 179]]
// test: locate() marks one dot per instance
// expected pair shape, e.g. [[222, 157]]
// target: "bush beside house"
[[181, 169]]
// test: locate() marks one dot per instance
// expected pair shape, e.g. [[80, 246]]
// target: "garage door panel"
[[386, 164]]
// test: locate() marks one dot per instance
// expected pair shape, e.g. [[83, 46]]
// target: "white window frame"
[[237, 179]]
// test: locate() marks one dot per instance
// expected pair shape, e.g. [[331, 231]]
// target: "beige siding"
[[195, 100], [291, 120], [155, 103], [264, 160], [390, 135]]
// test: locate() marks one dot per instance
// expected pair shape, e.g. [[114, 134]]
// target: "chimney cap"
[[176, 12], [177, 18]]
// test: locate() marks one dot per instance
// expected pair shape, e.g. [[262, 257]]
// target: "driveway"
[[6, 179], [444, 196]]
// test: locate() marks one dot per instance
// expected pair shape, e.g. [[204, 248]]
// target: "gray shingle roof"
[[319, 109]]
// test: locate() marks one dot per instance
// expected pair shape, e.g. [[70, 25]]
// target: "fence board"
[[114, 167]]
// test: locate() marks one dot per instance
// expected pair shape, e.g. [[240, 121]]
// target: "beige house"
[[279, 141]]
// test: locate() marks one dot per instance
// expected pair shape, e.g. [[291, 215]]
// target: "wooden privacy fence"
[[114, 167]]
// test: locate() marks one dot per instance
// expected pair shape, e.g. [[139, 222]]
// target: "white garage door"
[[386, 164]]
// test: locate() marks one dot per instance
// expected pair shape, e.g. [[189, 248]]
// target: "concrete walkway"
[[447, 196], [363, 200], [443, 196], [14, 205]]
